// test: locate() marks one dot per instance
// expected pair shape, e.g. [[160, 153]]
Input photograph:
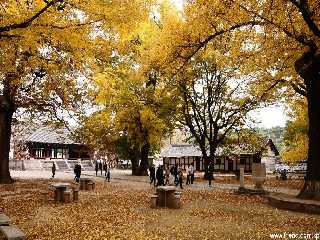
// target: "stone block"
[[12, 232], [4, 220]]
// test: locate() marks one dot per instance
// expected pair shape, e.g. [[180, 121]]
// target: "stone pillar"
[[258, 175], [241, 178]]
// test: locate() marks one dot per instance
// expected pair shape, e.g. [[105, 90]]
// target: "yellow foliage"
[[296, 133]]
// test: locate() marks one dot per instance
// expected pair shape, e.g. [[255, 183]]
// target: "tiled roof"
[[181, 150], [48, 135], [188, 150]]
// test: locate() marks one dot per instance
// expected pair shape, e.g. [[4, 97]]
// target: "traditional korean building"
[[187, 154], [49, 143], [44, 145]]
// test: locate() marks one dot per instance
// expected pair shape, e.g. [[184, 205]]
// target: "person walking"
[[77, 171], [152, 176], [188, 175], [108, 174], [167, 175], [191, 173], [105, 168], [100, 166], [175, 174], [96, 168], [210, 173], [53, 169], [159, 176], [180, 175]]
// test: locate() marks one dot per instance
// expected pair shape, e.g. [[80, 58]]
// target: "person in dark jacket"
[[152, 175], [77, 171], [108, 173], [180, 176], [96, 168], [105, 168], [175, 174], [53, 169], [159, 176], [100, 166]]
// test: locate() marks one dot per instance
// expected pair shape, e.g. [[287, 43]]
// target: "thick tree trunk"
[[206, 162], [5, 134], [144, 159], [308, 67], [134, 158]]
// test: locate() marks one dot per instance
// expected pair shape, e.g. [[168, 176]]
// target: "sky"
[[270, 117], [178, 3]]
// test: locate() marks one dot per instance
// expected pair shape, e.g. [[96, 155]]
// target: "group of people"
[[169, 177], [77, 170], [99, 166]]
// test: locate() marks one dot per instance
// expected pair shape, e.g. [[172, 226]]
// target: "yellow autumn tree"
[[49, 50], [296, 133], [277, 42], [139, 110]]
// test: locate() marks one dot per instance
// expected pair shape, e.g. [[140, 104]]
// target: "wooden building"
[[49, 143], [186, 154]]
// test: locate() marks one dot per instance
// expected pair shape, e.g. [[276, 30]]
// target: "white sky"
[[178, 3], [270, 117]]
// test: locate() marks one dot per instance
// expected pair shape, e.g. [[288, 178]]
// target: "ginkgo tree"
[[137, 108], [48, 48], [213, 103], [280, 41], [296, 133]]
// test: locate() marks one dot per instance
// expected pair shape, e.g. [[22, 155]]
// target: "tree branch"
[[303, 8], [28, 22]]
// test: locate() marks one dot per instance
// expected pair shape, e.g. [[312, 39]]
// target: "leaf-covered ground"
[[120, 210]]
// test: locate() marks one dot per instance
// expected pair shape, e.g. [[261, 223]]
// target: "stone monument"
[[258, 176]]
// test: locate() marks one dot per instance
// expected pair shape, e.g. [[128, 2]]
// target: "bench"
[[154, 201], [12, 232], [4, 220], [86, 184]]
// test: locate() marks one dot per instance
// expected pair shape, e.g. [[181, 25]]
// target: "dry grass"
[[120, 210]]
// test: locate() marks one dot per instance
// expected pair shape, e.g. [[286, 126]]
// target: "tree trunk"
[[134, 158], [144, 159], [6, 114], [308, 68]]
